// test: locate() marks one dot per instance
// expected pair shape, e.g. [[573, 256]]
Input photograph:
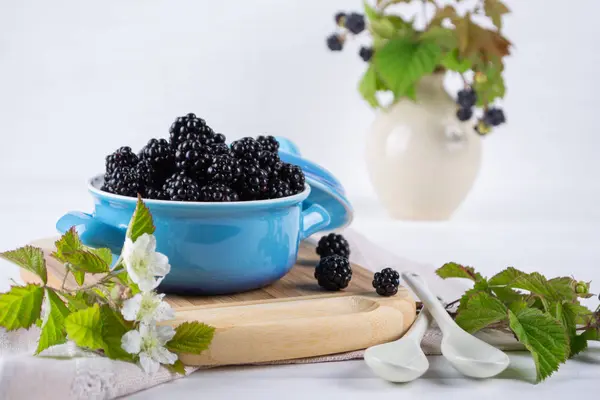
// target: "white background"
[[79, 79]]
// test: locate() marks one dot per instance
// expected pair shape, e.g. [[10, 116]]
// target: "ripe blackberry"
[[333, 244], [247, 148], [464, 114], [278, 189], [180, 187], [253, 183], [275, 170], [224, 169], [355, 23], [123, 181], [160, 156], [218, 149], [334, 43], [269, 143], [219, 138], [386, 282], [121, 158], [155, 193], [190, 127], [194, 158], [494, 117], [268, 161], [333, 273], [365, 53], [218, 192], [466, 98], [294, 176], [339, 18], [145, 173]]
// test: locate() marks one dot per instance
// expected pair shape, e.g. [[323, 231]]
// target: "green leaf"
[[80, 300], [21, 306], [103, 253], [578, 344], [543, 336], [68, 243], [536, 284], [79, 276], [177, 368], [141, 221], [568, 314], [113, 329], [53, 330], [370, 12], [368, 86], [495, 9], [454, 270], [402, 62], [191, 337], [481, 311], [507, 295], [446, 39], [29, 258], [383, 27], [505, 277], [88, 261], [85, 328], [564, 287], [517, 306]]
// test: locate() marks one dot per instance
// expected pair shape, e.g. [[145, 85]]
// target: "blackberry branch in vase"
[[422, 160]]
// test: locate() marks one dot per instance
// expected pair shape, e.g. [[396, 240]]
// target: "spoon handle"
[[437, 310], [419, 327]]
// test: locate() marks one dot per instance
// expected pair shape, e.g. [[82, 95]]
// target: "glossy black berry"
[[269, 143], [219, 138], [181, 187], [278, 189], [294, 176], [464, 114], [386, 282], [218, 192], [224, 169], [193, 157], [123, 181], [365, 53], [338, 17], [247, 148], [466, 98], [146, 174], [159, 154], [494, 117], [333, 273], [268, 161], [121, 158], [333, 244], [355, 23], [190, 127], [218, 149], [275, 170], [334, 43], [252, 184], [155, 193]]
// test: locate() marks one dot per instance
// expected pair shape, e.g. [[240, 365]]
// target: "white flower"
[[143, 263], [147, 308], [149, 344]]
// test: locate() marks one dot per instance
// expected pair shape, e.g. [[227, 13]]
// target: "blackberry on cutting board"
[[253, 183], [294, 176], [247, 148], [180, 187], [386, 282], [224, 169], [333, 244], [278, 189], [123, 181], [218, 192], [333, 272], [193, 157], [160, 156], [269, 143], [190, 127], [121, 158]]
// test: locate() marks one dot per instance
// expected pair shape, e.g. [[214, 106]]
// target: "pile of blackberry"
[[350, 24], [492, 116], [195, 164]]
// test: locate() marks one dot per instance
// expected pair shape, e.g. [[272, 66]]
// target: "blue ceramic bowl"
[[213, 248]]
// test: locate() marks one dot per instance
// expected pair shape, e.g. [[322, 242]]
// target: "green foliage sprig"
[[112, 315], [545, 315]]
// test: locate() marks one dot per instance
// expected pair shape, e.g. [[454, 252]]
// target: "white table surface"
[[549, 236]]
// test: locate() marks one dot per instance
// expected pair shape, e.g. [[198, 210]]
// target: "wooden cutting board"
[[292, 318]]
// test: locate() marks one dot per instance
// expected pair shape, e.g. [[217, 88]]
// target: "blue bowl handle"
[[314, 219], [93, 233]]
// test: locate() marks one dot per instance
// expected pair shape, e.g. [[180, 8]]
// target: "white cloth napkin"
[[66, 372]]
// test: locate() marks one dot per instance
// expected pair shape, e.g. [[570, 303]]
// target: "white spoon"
[[402, 360], [466, 353]]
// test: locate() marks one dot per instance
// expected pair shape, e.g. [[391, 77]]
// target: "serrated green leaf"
[[543, 336], [506, 277], [370, 12], [177, 368], [481, 310], [517, 306], [455, 270], [507, 295], [87, 261], [80, 300], [368, 86], [21, 306], [191, 337], [113, 329], [383, 27], [79, 276], [402, 62], [53, 330], [103, 253], [564, 287], [495, 9], [85, 328], [141, 221], [578, 344], [591, 334], [536, 284], [68, 243], [568, 314], [29, 258]]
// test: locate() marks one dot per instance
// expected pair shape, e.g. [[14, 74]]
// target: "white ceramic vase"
[[421, 159]]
